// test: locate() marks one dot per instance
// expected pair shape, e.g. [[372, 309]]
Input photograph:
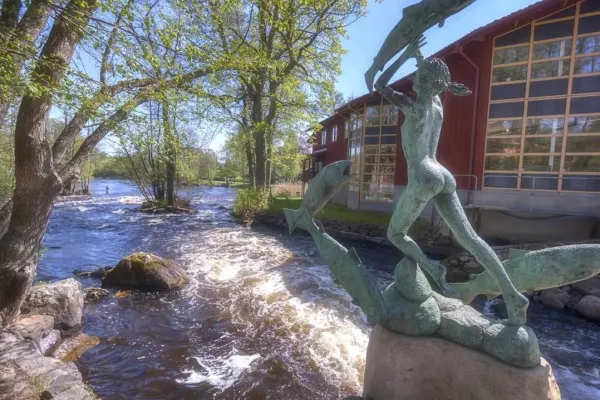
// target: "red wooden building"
[[525, 144]]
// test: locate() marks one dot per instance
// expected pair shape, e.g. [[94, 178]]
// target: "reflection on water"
[[261, 319]]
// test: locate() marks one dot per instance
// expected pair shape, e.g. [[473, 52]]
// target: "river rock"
[[97, 273], [146, 271], [555, 297], [63, 300], [94, 294], [50, 341], [34, 327], [26, 374], [74, 346], [423, 368], [589, 286], [589, 307]]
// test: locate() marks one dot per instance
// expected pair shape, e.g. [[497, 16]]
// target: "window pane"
[[549, 69], [386, 169], [390, 129], [372, 140], [506, 127], [589, 6], [513, 91], [589, 24], [583, 144], [567, 12], [388, 139], [561, 48], [508, 74], [586, 65], [371, 150], [503, 146], [589, 124], [586, 84], [543, 145], [511, 55], [546, 107], [388, 150], [369, 191], [589, 44], [372, 130], [506, 110], [540, 182], [499, 163], [554, 30], [545, 126], [370, 169], [384, 159], [373, 116], [370, 159], [585, 105], [521, 35], [552, 87], [582, 163], [541, 163], [581, 183], [508, 181], [390, 115], [386, 192]]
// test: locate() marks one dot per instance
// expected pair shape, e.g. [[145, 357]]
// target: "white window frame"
[[323, 138], [334, 132]]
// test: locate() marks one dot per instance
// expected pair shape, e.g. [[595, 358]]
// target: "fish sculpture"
[[416, 19], [537, 270], [320, 190]]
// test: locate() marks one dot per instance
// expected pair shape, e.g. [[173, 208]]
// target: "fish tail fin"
[[292, 218], [466, 291]]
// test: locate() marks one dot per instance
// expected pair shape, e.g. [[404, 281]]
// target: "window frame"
[[562, 133]]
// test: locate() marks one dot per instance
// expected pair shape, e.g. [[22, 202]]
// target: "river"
[[262, 318]]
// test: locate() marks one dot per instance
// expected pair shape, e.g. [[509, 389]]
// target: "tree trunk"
[[18, 35], [170, 153], [250, 159], [36, 182]]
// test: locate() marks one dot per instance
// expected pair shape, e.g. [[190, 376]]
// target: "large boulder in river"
[[146, 271], [63, 300], [589, 307]]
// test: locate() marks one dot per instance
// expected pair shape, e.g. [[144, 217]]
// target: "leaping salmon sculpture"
[[536, 270]]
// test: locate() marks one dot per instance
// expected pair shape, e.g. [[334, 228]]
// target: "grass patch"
[[339, 212]]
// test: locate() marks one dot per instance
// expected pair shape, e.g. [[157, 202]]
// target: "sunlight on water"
[[218, 372]]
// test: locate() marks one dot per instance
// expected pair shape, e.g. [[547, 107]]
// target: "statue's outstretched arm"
[[399, 99]]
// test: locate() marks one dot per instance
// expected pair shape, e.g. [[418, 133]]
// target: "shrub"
[[249, 202], [283, 194]]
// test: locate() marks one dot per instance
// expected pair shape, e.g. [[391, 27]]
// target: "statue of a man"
[[429, 180]]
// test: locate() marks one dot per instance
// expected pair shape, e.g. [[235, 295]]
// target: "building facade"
[[525, 145]]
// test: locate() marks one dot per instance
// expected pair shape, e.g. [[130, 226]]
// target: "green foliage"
[[249, 202], [282, 194]]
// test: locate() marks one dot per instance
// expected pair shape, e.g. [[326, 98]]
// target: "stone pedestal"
[[422, 368]]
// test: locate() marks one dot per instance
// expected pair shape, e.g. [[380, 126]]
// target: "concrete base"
[[422, 368]]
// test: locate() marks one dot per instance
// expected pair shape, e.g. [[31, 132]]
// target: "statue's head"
[[433, 78]]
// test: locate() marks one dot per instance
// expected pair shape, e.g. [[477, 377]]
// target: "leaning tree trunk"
[[36, 182]]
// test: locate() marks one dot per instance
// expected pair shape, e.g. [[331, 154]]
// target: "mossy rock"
[[147, 272]]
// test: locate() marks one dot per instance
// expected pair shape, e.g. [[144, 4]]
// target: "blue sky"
[[366, 35]]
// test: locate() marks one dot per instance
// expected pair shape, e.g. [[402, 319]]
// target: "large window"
[[379, 152], [323, 138], [543, 130], [334, 133], [355, 149]]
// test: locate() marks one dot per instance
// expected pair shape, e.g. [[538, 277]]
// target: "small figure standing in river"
[[429, 180], [106, 189]]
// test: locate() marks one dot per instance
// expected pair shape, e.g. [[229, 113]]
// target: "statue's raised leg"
[[449, 207]]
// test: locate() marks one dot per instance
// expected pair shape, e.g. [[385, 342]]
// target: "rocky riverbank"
[[50, 313]]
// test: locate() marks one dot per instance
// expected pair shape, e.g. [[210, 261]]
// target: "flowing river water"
[[262, 319]]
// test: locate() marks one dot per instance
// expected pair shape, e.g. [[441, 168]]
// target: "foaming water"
[[262, 317]]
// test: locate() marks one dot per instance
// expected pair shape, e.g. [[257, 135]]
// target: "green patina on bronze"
[[410, 305]]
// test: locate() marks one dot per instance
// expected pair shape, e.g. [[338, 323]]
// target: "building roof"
[[526, 13]]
